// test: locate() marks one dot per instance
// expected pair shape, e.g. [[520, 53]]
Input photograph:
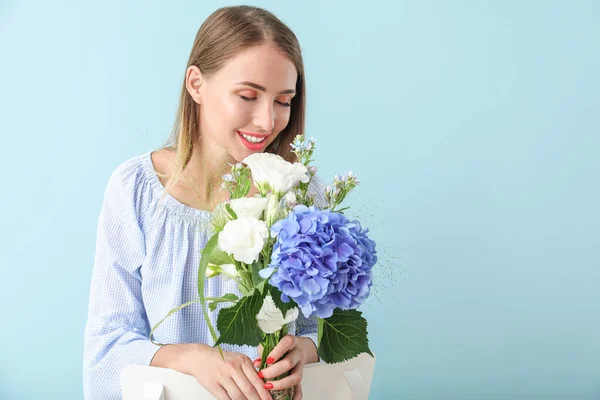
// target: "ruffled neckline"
[[170, 201]]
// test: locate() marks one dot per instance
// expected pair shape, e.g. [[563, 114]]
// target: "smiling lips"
[[253, 141]]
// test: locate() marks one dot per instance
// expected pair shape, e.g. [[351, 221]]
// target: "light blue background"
[[473, 125]]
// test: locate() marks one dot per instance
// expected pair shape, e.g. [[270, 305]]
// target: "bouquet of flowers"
[[287, 256]]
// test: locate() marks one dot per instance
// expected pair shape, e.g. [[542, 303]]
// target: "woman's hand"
[[300, 351], [235, 378]]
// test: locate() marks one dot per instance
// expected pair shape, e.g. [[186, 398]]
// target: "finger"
[[286, 344], [298, 392], [259, 359], [257, 382], [232, 389], [220, 393], [293, 379], [244, 384], [281, 366], [288, 363]]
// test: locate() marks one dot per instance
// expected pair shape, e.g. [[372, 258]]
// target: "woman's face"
[[246, 104]]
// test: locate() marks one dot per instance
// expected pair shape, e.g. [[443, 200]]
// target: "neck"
[[205, 170]]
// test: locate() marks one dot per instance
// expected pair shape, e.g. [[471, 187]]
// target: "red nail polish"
[[270, 360], [268, 386], [257, 360], [260, 375]]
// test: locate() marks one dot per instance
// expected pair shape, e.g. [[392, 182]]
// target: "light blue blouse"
[[146, 263]]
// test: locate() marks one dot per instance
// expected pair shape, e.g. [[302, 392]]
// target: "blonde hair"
[[224, 34]]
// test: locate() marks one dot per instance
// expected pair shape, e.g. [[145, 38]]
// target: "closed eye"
[[254, 98]]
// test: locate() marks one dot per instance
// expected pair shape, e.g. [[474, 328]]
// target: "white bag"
[[344, 381]]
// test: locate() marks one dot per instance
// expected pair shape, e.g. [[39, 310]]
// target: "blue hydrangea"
[[322, 261]]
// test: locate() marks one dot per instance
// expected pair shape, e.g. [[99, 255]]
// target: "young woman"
[[243, 92]]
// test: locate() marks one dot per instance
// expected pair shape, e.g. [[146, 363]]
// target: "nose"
[[265, 118]]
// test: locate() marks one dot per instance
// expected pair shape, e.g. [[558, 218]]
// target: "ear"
[[193, 83]]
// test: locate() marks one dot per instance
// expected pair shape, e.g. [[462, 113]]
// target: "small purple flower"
[[322, 261]]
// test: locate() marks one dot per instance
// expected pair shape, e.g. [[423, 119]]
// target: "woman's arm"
[[116, 332]]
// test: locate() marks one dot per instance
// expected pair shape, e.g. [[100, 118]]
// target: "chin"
[[240, 152], [239, 155]]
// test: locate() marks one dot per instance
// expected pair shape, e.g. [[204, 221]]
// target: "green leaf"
[[320, 331], [228, 298], [238, 324], [173, 311], [257, 281], [245, 282], [243, 184], [210, 246], [256, 278], [283, 307], [219, 257], [230, 210], [245, 187], [344, 336]]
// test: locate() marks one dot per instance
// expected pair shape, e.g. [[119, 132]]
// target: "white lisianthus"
[[271, 170], [290, 200], [251, 207], [212, 270], [243, 238], [272, 208], [270, 318], [227, 271]]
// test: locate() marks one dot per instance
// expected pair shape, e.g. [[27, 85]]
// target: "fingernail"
[[268, 386], [270, 360], [260, 375], [257, 360]]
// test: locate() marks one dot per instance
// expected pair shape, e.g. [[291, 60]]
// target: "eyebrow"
[[264, 89]]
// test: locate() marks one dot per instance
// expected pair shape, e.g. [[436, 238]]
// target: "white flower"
[[290, 200], [271, 319], [227, 271], [271, 169], [272, 209], [212, 270], [244, 238], [251, 207]]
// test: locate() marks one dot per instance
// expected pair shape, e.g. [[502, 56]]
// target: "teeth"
[[253, 139]]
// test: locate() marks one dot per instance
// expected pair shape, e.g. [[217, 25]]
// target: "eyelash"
[[278, 102]]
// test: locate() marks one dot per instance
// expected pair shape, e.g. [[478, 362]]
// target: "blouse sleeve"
[[116, 331]]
